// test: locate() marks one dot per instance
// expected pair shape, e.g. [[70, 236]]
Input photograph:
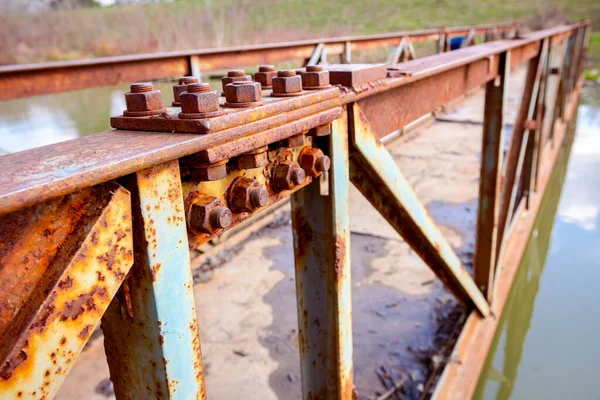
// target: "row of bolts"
[[208, 214], [198, 100]]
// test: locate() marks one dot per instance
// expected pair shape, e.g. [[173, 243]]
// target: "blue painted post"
[[323, 284], [151, 334]]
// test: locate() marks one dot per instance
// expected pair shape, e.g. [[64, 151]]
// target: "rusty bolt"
[[288, 175], [286, 84], [208, 214], [313, 161], [247, 195], [254, 159], [235, 75], [243, 94], [265, 76], [322, 130], [315, 78], [199, 101], [142, 100], [208, 172], [181, 87]]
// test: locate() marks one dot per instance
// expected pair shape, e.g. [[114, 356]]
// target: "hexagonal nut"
[[314, 162], [315, 79], [144, 101], [293, 141], [181, 87], [288, 175], [243, 92], [199, 102], [235, 76], [287, 84], [247, 195], [249, 161], [209, 172], [208, 214], [265, 75]]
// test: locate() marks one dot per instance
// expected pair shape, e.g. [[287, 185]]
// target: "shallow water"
[[546, 344]]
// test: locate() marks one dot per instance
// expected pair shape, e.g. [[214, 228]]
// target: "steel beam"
[[492, 149], [375, 174], [152, 343], [61, 263], [323, 276]]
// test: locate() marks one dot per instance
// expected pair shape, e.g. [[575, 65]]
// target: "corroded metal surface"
[[323, 277], [76, 253], [42, 78], [151, 338]]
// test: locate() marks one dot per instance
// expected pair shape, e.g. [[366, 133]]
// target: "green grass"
[[187, 24]]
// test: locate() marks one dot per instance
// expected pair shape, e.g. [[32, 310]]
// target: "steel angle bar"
[[61, 263], [375, 174], [153, 347], [490, 178], [323, 284]]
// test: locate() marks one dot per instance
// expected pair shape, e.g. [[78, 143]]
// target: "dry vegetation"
[[181, 25]]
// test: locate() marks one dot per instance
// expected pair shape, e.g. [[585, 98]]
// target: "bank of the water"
[[545, 347]]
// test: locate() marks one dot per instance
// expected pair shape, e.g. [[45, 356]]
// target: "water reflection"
[[546, 342]]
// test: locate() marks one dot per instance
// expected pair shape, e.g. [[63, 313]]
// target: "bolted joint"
[[181, 87], [199, 101], [254, 159], [243, 94], [235, 75], [315, 78], [208, 214], [314, 162], [247, 195], [288, 175], [143, 100], [265, 76], [286, 84]]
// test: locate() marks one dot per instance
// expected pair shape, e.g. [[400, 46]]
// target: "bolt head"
[[313, 161], [265, 76], [294, 141], [208, 214], [199, 102], [247, 195], [287, 84], [288, 175], [144, 101], [210, 172], [226, 80], [315, 79], [249, 161], [243, 92]]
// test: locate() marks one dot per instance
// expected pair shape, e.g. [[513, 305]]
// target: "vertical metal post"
[[323, 284], [490, 177], [347, 55], [151, 337]]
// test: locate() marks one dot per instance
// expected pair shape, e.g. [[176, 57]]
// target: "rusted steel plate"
[[492, 149], [152, 343], [323, 283], [43, 78], [355, 74], [375, 174], [461, 375], [248, 119], [61, 264]]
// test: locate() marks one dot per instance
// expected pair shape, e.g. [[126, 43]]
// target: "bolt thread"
[[298, 176], [186, 80], [198, 87], [286, 73], [266, 68], [314, 68], [141, 87], [220, 218], [236, 73], [323, 164], [259, 197]]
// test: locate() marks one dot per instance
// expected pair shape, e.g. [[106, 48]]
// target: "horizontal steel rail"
[[53, 77], [98, 228]]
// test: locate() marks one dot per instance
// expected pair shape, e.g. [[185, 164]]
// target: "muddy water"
[[546, 345]]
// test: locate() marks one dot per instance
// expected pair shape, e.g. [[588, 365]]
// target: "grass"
[[187, 24]]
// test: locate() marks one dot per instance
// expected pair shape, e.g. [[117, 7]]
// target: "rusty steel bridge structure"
[[98, 230]]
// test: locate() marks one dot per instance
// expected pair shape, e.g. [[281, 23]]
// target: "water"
[[546, 344]]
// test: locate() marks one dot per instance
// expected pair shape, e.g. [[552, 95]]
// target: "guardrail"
[[52, 77], [99, 228]]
